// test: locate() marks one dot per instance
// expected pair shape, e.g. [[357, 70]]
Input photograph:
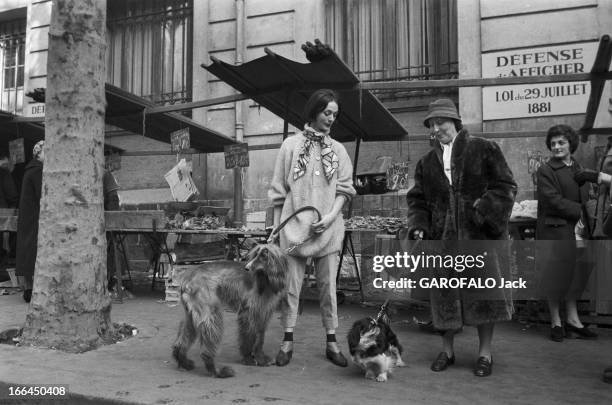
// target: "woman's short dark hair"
[[565, 131], [318, 102]]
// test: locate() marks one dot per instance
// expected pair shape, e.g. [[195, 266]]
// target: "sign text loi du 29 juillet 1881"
[[536, 100]]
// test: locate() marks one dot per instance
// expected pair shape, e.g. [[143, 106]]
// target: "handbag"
[[602, 221]]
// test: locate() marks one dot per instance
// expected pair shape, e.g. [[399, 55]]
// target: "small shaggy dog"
[[374, 347], [254, 290]]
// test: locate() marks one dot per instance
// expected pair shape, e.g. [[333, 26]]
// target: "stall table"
[[157, 241]]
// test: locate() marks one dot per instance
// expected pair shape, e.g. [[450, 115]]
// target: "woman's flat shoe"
[[607, 375], [557, 333], [27, 295], [442, 362], [336, 357], [283, 358], [581, 333], [484, 367]]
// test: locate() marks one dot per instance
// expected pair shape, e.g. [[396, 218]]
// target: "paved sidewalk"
[[528, 368]]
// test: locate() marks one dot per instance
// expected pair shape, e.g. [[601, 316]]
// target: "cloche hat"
[[442, 108]]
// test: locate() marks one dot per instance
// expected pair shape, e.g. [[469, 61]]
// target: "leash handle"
[[282, 225]]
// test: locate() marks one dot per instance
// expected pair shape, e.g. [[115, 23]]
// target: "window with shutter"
[[150, 48], [12, 56], [394, 39]]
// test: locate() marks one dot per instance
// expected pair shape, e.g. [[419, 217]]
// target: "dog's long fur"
[[374, 347], [253, 289]]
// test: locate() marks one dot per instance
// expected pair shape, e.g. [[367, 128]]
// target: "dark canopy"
[[31, 130], [283, 87], [125, 110]]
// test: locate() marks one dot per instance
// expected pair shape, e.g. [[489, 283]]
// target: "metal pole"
[[240, 40]]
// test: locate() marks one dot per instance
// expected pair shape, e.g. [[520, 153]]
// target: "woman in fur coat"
[[463, 191]]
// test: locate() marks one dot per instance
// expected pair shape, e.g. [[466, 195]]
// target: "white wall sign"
[[34, 110], [537, 100]]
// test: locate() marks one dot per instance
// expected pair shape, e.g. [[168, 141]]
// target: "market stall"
[[283, 86], [130, 113]]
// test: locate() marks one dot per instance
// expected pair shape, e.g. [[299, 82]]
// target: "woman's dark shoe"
[[581, 333], [484, 367], [607, 375], [336, 357], [442, 362], [283, 358], [27, 295], [557, 333]]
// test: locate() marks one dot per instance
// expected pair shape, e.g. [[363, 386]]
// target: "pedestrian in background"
[[110, 189], [563, 191], [27, 224], [9, 197]]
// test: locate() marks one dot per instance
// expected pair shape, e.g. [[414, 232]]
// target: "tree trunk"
[[70, 307]]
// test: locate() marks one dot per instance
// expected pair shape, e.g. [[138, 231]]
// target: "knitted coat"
[[483, 182], [313, 189]]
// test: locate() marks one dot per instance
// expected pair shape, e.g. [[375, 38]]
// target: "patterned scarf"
[[328, 156]]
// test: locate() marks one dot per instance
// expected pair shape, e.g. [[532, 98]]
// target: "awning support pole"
[[601, 65], [286, 120], [238, 109], [355, 161]]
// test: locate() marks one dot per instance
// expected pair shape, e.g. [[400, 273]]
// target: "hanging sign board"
[[16, 151], [181, 183], [180, 140], [543, 99], [236, 155], [398, 176]]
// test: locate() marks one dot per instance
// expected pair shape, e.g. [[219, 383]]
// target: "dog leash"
[[381, 312], [282, 225]]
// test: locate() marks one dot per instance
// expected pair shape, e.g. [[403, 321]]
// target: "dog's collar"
[[373, 321]]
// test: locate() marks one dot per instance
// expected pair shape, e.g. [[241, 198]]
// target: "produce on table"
[[199, 223], [389, 224]]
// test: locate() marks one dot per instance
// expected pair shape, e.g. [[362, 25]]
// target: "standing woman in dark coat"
[[463, 191], [27, 225], [562, 193]]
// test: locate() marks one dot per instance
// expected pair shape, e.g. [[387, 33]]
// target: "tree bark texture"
[[70, 307]]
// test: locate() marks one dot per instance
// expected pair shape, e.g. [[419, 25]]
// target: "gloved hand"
[[417, 234], [478, 215], [583, 175]]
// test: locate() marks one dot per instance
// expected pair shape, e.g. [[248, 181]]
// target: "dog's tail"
[[205, 312], [196, 300]]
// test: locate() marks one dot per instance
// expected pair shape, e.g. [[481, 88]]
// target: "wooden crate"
[[198, 252], [256, 220], [134, 219]]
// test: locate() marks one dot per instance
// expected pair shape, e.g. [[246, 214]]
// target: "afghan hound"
[[254, 289]]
